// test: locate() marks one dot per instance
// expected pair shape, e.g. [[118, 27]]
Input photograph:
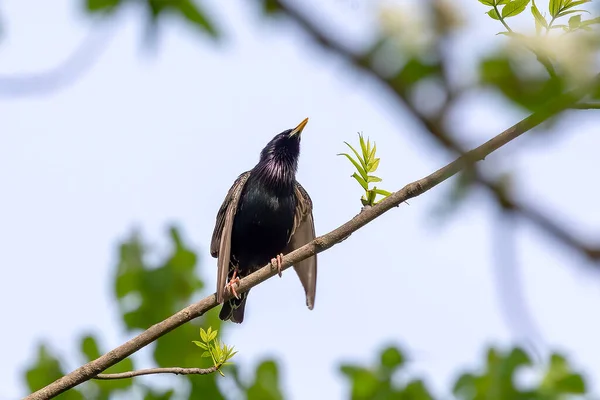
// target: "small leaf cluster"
[[505, 8], [214, 348], [366, 164], [560, 8], [502, 9]]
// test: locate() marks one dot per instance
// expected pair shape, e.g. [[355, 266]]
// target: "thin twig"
[[320, 244], [151, 371]]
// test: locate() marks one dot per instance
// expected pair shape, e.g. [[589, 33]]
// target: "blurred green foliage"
[[176, 279], [499, 379], [189, 10]]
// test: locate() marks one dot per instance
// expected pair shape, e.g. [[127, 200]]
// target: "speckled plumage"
[[266, 212]]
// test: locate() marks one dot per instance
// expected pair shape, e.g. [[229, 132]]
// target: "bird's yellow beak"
[[297, 130]]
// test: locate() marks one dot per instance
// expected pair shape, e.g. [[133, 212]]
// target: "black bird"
[[265, 213]]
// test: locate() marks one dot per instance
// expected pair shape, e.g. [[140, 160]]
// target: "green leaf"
[[153, 394], [365, 383], [574, 4], [464, 384], [102, 5], [359, 168], [206, 354], [218, 353], [371, 197], [374, 165], [200, 344], [415, 70], [511, 34], [382, 192], [372, 178], [417, 390], [555, 7], [203, 335], [392, 358], [563, 13], [360, 159], [487, 2], [195, 15], [89, 347], [270, 6], [363, 147], [590, 22], [513, 8], [493, 14], [575, 21], [360, 180], [212, 335], [572, 383], [559, 377], [539, 18], [500, 2], [532, 93], [372, 155], [266, 383]]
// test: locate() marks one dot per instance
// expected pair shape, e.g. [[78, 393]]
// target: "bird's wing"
[[220, 245], [302, 233]]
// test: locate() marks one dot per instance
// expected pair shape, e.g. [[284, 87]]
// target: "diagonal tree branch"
[[320, 244], [433, 126], [152, 371]]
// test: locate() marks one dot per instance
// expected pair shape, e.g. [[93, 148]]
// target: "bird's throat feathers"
[[278, 162], [277, 170]]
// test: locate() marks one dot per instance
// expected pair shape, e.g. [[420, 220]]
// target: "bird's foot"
[[277, 261], [234, 279]]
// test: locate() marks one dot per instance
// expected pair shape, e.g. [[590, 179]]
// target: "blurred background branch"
[[80, 62]]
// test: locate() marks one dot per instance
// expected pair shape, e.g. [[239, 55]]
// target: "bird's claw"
[[234, 279], [277, 262]]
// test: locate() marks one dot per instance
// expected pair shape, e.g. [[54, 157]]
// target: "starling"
[[266, 213]]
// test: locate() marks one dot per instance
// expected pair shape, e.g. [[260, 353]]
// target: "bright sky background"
[[149, 138]]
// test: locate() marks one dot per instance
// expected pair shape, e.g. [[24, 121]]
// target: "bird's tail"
[[234, 309]]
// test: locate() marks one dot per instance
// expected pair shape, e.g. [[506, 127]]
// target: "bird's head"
[[284, 148], [279, 159]]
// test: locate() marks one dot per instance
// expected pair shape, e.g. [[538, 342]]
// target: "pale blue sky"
[[146, 139]]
